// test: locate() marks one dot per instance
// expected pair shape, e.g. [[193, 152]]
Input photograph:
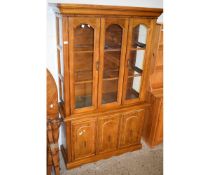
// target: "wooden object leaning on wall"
[[53, 125], [153, 126]]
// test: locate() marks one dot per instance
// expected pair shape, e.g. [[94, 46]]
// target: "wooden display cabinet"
[[104, 57]]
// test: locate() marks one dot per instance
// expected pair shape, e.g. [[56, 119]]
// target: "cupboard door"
[[131, 128], [113, 39], [83, 139], [84, 50], [108, 129], [137, 59]]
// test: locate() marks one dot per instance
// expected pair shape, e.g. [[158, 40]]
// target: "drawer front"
[[83, 138], [108, 131], [131, 128]]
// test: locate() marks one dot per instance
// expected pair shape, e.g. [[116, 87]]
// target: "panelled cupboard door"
[[84, 53], [113, 41], [83, 138], [137, 59], [108, 130], [131, 128]]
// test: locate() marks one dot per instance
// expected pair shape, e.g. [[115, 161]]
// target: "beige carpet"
[[146, 161]]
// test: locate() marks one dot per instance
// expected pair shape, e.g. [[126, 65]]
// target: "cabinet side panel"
[[66, 65]]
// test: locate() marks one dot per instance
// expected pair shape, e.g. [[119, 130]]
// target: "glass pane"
[[84, 38], [83, 95], [83, 65], [135, 70], [112, 55], [139, 36], [135, 63], [133, 86], [109, 91], [113, 37]]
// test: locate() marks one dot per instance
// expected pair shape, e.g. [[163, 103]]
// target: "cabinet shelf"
[[112, 49], [83, 48], [84, 51], [113, 78], [83, 82]]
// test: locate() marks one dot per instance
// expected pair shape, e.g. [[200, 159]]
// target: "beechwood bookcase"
[[104, 55]]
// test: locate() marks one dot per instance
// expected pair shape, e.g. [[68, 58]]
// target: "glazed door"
[[113, 39], [84, 50], [131, 128], [83, 139], [137, 60], [108, 130]]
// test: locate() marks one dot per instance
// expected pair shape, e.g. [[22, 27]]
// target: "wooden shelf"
[[83, 82], [84, 51], [112, 50], [109, 79], [83, 48]]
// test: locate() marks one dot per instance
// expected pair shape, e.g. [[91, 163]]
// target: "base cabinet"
[[102, 136], [83, 139]]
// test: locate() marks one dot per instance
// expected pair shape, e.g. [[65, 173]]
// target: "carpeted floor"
[[146, 161]]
